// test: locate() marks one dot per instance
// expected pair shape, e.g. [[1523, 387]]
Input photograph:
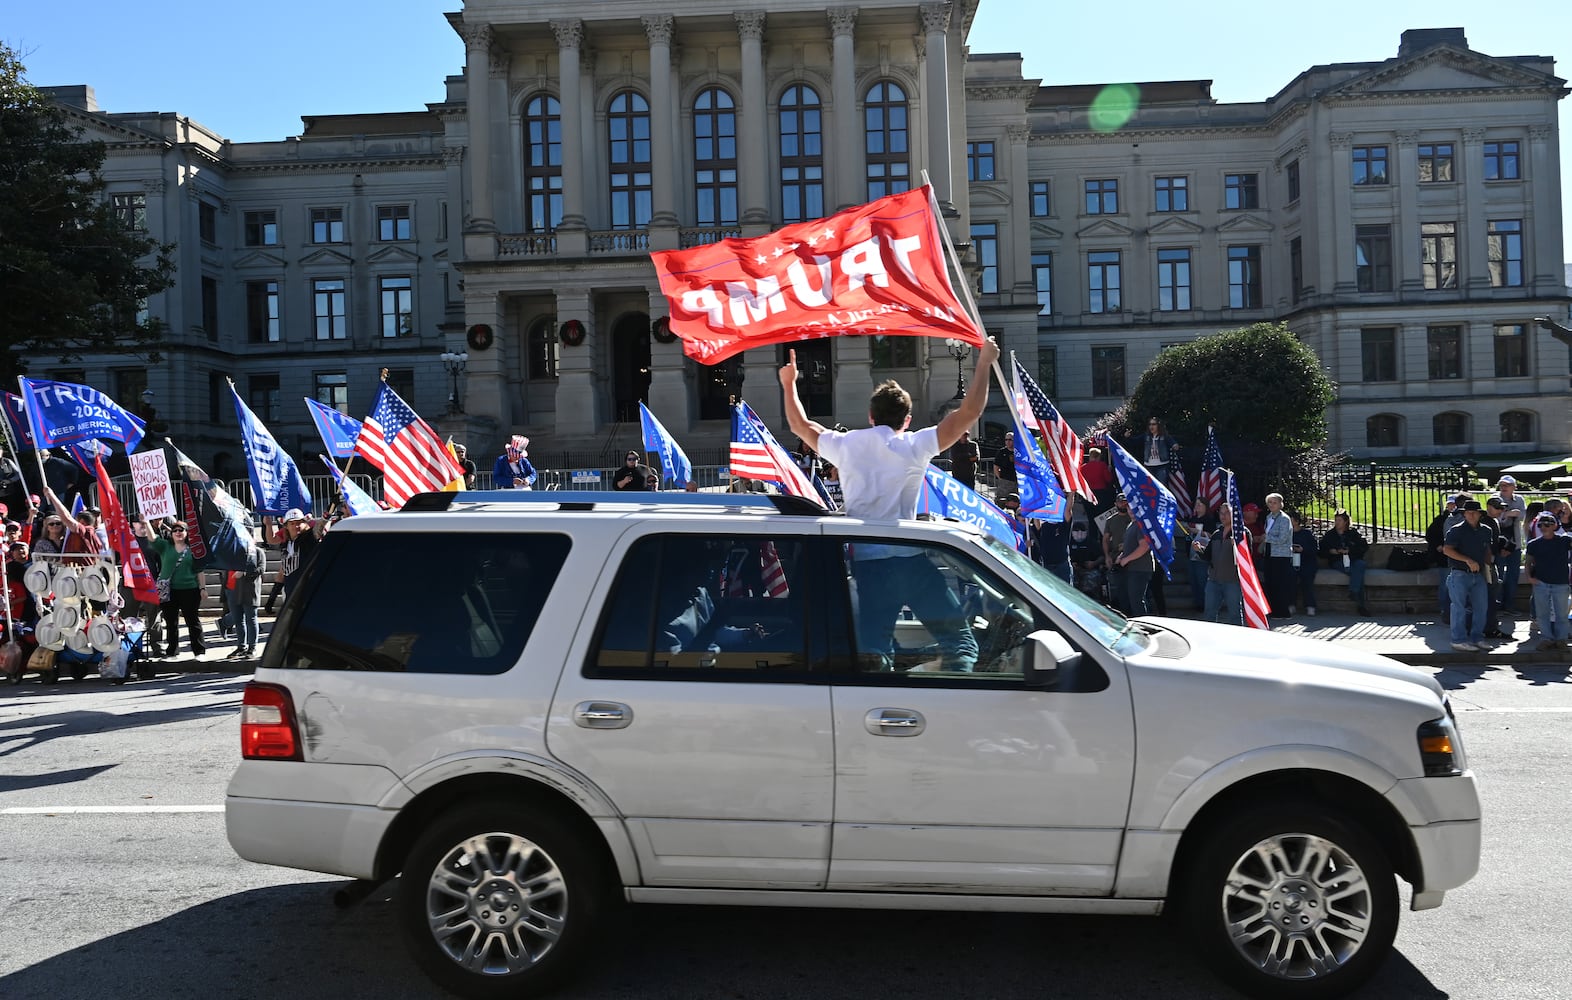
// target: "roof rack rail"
[[600, 499]]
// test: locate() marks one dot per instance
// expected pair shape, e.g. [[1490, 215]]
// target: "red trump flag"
[[874, 270]]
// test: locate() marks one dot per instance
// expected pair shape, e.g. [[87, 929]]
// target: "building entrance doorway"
[[815, 376], [630, 366]]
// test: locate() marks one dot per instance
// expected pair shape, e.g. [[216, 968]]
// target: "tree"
[[74, 278], [1265, 392]]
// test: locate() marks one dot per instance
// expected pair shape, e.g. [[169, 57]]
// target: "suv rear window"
[[449, 603]]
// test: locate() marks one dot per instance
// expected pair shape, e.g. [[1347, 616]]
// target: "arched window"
[[628, 127], [542, 164], [884, 118], [715, 157], [1517, 426], [1449, 428], [1384, 430], [543, 348], [802, 155]]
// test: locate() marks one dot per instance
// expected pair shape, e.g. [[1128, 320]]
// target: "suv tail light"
[[268, 730]]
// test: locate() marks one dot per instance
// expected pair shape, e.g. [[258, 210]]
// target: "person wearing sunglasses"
[[179, 588], [81, 538], [1548, 569], [634, 475]]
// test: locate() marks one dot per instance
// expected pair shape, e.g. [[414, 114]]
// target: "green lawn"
[[1404, 509]]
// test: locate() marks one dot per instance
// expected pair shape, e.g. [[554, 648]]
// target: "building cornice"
[[360, 165]]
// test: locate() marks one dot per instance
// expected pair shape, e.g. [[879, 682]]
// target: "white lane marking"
[[1525, 710], [52, 810]]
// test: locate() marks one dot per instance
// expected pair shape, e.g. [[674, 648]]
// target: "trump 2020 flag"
[[674, 464], [339, 430], [873, 270], [1151, 505], [356, 500], [62, 413], [220, 520], [276, 483], [945, 496], [16, 415]]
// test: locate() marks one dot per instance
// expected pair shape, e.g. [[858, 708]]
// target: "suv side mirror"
[[1048, 658]]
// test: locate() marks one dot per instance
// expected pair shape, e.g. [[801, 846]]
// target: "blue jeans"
[[1136, 582], [1508, 568], [1198, 582], [1550, 607], [248, 625], [1356, 576], [1063, 571], [1225, 598], [884, 585], [1469, 593]]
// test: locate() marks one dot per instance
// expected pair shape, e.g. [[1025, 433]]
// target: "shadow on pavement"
[[17, 782], [290, 940]]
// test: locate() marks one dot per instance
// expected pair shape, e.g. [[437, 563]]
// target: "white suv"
[[534, 706]]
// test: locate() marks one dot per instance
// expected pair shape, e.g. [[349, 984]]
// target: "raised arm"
[[796, 416], [965, 416]]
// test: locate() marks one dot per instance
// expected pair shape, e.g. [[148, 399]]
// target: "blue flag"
[[77, 505], [355, 498], [16, 416], [339, 431], [1041, 495], [1151, 505], [87, 452], [276, 482], [945, 496], [674, 464], [61, 413]]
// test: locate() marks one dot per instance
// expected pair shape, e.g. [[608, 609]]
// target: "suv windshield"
[[1104, 624]]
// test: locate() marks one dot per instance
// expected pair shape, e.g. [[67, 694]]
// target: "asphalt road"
[[147, 900]]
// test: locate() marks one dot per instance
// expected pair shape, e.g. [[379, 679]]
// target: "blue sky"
[[250, 73]]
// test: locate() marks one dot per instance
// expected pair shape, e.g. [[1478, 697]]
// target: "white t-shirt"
[[881, 468]]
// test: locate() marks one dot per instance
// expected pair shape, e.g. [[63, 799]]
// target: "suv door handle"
[[894, 722], [602, 715]]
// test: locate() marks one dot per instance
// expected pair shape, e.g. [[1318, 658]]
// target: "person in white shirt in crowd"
[[1513, 523], [1279, 545]]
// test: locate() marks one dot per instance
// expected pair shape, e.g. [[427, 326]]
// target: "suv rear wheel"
[[498, 901], [1290, 902]]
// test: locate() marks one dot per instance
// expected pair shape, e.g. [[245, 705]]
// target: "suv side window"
[[454, 603], [706, 607]]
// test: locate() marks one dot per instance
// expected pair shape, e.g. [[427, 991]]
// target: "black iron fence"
[[1390, 502]]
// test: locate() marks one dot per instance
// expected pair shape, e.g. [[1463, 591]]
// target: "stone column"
[[1542, 240], [846, 188], [1405, 241], [1337, 224], [935, 25], [853, 380], [484, 383], [670, 393], [477, 77], [577, 396], [1023, 285], [571, 238], [1473, 256], [658, 28], [754, 151]]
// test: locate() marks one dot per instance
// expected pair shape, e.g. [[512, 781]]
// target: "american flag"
[[409, 453], [1059, 441], [1252, 596], [774, 572], [1180, 489], [755, 454], [1210, 486]]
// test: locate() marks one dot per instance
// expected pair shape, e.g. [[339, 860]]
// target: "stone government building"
[[1403, 216]]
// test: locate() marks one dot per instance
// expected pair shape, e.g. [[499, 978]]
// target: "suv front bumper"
[[1447, 837]]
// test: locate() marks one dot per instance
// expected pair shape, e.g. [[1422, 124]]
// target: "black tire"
[[577, 904], [1231, 881]]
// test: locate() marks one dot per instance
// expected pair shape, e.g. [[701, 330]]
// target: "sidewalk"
[[1422, 640]]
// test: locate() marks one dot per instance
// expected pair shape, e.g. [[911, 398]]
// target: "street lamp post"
[[455, 364], [960, 350]]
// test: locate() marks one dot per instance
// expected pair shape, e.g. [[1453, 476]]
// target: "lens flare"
[[1114, 106]]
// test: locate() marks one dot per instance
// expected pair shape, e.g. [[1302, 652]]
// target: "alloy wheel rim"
[[1297, 906], [496, 904]]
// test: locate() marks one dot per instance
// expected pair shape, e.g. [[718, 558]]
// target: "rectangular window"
[[332, 389], [262, 395], [1511, 350], [262, 312], [1435, 162], [129, 384], [130, 210], [892, 352], [979, 161], [393, 222], [1449, 428], [1172, 194], [1042, 278], [1108, 371], [1438, 254], [397, 307], [1048, 370], [1296, 269], [1370, 165], [1173, 280], [1446, 352], [261, 228], [1293, 181], [327, 309], [1240, 191], [1040, 203], [1504, 252], [207, 222], [986, 237], [327, 225], [1378, 353], [210, 307], [1373, 258], [1102, 281], [1244, 277], [1102, 197], [402, 381], [1501, 161]]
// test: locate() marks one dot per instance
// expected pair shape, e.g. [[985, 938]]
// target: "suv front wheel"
[[1287, 901], [499, 901]]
